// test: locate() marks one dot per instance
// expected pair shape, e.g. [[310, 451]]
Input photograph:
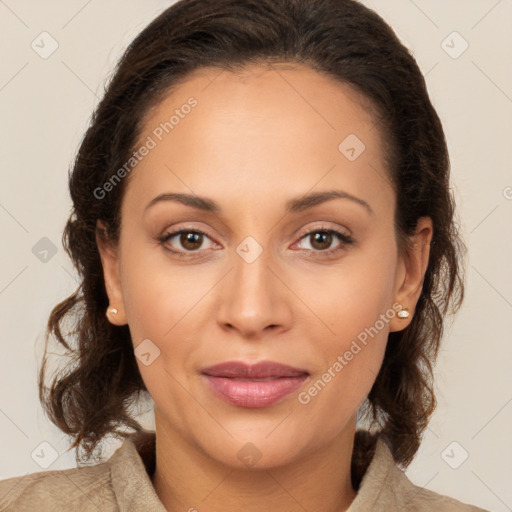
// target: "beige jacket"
[[123, 484]]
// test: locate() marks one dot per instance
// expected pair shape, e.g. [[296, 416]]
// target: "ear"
[[411, 272], [110, 262]]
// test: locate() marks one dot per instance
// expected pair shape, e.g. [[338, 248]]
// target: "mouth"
[[253, 386]]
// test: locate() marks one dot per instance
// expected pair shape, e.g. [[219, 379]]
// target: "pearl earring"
[[403, 313], [113, 311]]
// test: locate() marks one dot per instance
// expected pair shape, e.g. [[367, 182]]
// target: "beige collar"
[[132, 466]]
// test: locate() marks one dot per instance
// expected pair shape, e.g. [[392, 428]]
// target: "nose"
[[253, 299]]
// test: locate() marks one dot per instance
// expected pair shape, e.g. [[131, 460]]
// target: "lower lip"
[[253, 393]]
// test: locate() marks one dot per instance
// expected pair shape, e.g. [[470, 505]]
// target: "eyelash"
[[345, 239]]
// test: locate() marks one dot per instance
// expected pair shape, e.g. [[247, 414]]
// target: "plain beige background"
[[46, 104]]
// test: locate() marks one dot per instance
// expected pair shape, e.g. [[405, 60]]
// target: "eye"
[[191, 240], [321, 240]]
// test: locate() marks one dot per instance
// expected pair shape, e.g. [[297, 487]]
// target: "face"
[[266, 275]]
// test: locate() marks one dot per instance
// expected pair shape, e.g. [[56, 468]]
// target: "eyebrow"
[[292, 206]]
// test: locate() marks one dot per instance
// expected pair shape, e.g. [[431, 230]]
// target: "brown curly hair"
[[93, 395]]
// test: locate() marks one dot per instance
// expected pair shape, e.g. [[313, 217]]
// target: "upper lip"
[[261, 370]]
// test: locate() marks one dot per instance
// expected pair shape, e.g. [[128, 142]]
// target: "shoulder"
[[419, 499], [85, 488], [386, 487], [121, 483]]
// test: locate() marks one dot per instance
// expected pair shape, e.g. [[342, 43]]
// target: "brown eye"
[[191, 240], [321, 240], [185, 242]]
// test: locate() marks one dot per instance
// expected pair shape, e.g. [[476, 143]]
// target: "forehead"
[[264, 130]]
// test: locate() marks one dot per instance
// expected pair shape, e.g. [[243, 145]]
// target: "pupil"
[[190, 240], [326, 237]]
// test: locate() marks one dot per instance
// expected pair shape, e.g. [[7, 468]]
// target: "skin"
[[257, 139]]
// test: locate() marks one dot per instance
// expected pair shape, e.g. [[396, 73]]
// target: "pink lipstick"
[[258, 385]]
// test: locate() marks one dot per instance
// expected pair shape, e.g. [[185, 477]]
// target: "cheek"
[[351, 361], [337, 393], [355, 306], [157, 293], [349, 296], [165, 303]]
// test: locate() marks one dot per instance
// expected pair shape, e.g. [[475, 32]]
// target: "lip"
[[257, 385], [261, 370]]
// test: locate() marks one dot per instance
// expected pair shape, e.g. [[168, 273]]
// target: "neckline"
[[137, 459]]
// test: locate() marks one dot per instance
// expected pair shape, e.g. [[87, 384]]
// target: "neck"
[[186, 478]]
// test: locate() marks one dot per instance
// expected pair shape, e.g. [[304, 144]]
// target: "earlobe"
[[412, 268], [110, 262]]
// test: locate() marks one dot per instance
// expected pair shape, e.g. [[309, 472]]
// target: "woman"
[[266, 239]]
